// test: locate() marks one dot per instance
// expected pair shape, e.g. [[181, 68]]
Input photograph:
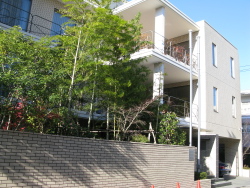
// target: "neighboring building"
[[245, 111], [218, 109]]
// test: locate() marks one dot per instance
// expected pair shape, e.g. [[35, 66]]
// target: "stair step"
[[221, 184], [214, 180]]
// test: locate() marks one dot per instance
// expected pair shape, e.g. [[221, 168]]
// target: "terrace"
[[12, 15]]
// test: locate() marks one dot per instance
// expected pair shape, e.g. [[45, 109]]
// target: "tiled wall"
[[37, 160]]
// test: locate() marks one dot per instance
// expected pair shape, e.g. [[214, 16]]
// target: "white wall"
[[219, 77]]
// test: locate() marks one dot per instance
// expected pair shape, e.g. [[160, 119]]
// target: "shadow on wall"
[[29, 159]]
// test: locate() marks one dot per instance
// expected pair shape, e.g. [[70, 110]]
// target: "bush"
[[139, 138], [200, 175]]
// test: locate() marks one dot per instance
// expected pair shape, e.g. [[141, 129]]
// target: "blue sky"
[[231, 18]]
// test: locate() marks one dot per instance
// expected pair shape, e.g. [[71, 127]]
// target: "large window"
[[214, 55], [215, 99], [15, 12], [232, 67], [233, 106], [58, 21]]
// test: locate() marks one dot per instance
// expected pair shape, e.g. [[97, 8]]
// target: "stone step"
[[219, 182], [215, 180]]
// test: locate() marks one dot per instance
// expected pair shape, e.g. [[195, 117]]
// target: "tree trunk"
[[74, 70], [107, 128], [92, 100]]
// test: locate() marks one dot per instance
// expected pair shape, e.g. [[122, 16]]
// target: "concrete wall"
[[43, 11], [221, 122], [219, 77], [36, 160]]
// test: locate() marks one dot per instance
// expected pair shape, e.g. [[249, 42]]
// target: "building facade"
[[184, 54]]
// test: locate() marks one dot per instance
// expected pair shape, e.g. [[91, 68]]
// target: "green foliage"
[[88, 68], [139, 138], [200, 175], [169, 132]]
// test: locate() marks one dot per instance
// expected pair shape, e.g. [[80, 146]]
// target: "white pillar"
[[158, 86], [191, 86], [159, 37]]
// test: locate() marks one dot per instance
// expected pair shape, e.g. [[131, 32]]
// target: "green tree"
[[87, 68], [98, 56], [169, 132], [27, 75]]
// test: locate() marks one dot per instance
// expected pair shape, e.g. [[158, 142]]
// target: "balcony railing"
[[31, 23], [171, 48], [180, 107]]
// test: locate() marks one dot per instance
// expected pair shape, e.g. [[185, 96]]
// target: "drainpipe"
[[199, 109], [191, 86]]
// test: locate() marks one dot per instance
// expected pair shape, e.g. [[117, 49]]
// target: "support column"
[[210, 155], [159, 37], [158, 87]]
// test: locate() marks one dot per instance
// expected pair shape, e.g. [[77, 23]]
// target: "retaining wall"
[[38, 160]]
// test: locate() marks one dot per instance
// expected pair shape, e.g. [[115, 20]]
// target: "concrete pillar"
[[210, 155], [159, 37], [158, 85]]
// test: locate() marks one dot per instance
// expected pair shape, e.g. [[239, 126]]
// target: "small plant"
[[200, 175], [139, 138], [169, 132]]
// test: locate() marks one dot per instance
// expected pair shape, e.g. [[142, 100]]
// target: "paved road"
[[239, 182]]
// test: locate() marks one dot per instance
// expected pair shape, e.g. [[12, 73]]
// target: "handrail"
[[32, 26], [180, 106], [171, 48]]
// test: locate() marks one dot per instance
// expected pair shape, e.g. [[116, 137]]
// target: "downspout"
[[199, 109], [191, 86]]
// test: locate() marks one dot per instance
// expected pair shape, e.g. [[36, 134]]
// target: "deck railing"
[[171, 48], [33, 24], [180, 107]]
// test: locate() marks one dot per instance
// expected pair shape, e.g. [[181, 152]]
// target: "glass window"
[[233, 107], [57, 23], [214, 54], [215, 99], [15, 12], [232, 67]]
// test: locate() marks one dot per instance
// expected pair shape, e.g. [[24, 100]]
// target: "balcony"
[[11, 15], [176, 51], [182, 109]]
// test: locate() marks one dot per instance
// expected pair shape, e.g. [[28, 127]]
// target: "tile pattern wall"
[[37, 160]]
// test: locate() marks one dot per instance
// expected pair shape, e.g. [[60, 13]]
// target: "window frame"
[[214, 55], [232, 67], [215, 99], [234, 106]]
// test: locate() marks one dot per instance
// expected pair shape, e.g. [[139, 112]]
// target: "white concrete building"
[[215, 94]]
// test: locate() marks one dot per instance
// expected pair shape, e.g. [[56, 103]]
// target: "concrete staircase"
[[221, 182]]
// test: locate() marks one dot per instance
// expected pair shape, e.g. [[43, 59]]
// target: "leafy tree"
[[27, 72], [169, 132], [98, 55], [88, 68]]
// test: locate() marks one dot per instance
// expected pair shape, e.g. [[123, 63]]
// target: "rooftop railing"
[[172, 48], [30, 23]]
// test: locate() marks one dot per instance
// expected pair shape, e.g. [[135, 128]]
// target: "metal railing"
[[171, 48], [180, 107], [36, 24]]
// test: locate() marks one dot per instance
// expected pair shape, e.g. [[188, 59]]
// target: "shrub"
[[139, 138], [200, 175]]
